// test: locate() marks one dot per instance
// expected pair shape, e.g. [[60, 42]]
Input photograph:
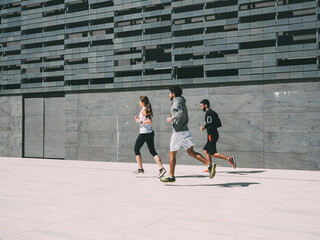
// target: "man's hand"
[[202, 128], [169, 120]]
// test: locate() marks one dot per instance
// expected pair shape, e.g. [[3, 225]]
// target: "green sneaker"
[[212, 170], [168, 179]]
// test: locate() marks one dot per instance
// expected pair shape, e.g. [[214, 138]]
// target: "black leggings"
[[142, 138]]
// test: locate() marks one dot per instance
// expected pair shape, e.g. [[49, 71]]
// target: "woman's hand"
[[137, 119]]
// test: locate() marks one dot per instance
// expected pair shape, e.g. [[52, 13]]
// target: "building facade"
[[72, 72]]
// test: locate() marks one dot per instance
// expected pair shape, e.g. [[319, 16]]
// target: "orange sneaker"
[[206, 170]]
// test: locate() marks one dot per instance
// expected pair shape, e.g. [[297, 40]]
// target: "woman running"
[[146, 135]]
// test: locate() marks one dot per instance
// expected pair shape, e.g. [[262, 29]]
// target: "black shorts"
[[211, 145]]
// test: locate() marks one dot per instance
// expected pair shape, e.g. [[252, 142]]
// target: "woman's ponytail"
[[147, 104]]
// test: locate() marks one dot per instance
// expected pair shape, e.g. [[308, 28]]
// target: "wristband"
[[141, 122]]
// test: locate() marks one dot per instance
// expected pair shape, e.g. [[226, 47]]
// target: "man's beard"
[[171, 98], [204, 109]]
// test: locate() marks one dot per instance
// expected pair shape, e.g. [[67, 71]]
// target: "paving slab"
[[44, 199]]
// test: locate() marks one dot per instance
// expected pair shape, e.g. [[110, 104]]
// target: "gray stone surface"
[[82, 200], [272, 126], [11, 126]]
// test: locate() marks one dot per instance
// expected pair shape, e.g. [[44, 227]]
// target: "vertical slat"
[[54, 137], [33, 138]]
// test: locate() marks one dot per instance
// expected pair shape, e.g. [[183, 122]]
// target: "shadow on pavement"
[[222, 185], [242, 172]]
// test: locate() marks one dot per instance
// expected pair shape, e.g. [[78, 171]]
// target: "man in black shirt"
[[212, 124]]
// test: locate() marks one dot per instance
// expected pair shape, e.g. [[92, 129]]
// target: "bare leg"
[[139, 161], [219, 155], [173, 156], [208, 155], [197, 156], [158, 161]]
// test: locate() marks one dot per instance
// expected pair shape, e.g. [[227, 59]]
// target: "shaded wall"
[[264, 126], [11, 126]]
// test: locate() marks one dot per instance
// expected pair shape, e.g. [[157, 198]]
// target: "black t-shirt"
[[212, 121]]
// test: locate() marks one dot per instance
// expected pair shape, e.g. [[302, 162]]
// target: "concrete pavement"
[[45, 199]]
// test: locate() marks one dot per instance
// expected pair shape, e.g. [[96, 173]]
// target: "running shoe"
[[206, 170], [232, 161], [162, 171], [212, 170], [139, 171], [168, 179]]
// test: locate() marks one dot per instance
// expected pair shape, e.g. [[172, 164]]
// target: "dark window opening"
[[258, 44], [157, 71], [11, 86], [102, 42], [11, 5], [258, 18], [156, 7], [11, 67], [102, 21], [129, 11], [129, 34], [128, 73], [222, 73], [10, 53], [53, 13], [298, 61], [190, 56], [221, 3], [78, 6], [257, 5], [32, 6], [54, 3], [77, 61], [297, 13], [32, 80], [12, 15], [222, 16], [78, 45], [54, 28], [188, 44], [78, 24], [54, 69], [286, 2], [157, 55], [101, 80], [32, 31], [220, 54], [297, 37], [190, 72], [77, 82], [188, 8], [11, 29], [157, 30], [225, 28], [54, 58], [102, 4], [54, 43], [188, 32], [54, 79], [34, 60], [32, 45], [128, 51]]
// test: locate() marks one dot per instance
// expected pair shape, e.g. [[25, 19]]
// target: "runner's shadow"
[[193, 176], [222, 185], [242, 172]]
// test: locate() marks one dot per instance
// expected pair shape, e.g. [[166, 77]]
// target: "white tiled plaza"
[[45, 199]]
